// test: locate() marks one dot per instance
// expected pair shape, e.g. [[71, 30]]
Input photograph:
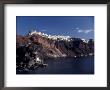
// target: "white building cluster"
[[53, 37], [84, 40]]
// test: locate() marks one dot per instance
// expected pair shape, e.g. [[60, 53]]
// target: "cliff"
[[46, 46], [57, 48]]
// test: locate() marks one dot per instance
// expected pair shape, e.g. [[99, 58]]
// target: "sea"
[[78, 65]]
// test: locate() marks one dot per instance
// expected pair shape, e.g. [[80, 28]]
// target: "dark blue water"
[[82, 65]]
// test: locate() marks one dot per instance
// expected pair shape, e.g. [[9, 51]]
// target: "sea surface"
[[82, 65]]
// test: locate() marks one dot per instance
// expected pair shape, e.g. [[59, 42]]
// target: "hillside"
[[37, 44]]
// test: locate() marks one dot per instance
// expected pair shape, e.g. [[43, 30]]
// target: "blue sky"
[[74, 26]]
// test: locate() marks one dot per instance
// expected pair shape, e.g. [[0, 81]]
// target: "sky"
[[73, 26]]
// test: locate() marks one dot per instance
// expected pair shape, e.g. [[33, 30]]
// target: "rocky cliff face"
[[57, 48], [30, 46]]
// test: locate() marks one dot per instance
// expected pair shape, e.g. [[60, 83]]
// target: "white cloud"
[[77, 28], [79, 31], [44, 30], [85, 31]]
